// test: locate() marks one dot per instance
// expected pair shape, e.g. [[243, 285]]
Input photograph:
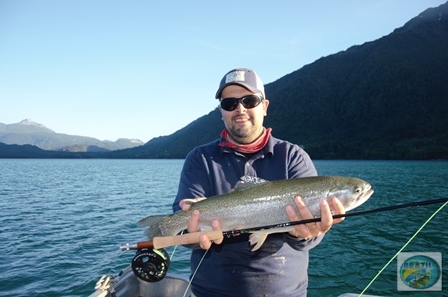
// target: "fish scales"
[[255, 202]]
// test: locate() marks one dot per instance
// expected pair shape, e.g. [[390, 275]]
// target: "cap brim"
[[253, 90]]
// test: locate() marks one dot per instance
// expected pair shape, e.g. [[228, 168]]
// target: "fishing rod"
[[190, 238], [351, 214], [151, 261]]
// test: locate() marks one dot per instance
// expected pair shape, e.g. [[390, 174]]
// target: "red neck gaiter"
[[246, 148]]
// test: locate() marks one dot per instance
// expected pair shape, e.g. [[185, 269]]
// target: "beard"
[[245, 135]]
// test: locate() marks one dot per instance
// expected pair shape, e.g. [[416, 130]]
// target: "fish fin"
[[257, 238], [152, 222], [247, 182]]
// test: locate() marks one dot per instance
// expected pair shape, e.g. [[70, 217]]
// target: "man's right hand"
[[193, 223]]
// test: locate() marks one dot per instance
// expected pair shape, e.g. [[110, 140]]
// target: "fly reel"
[[150, 265]]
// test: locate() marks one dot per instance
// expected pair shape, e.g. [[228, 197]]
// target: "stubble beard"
[[245, 135]]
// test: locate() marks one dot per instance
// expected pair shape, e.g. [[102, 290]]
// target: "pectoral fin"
[[257, 238]]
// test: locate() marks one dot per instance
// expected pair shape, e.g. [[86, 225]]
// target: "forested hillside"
[[384, 99]]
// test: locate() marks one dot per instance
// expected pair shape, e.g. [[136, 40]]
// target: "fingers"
[[314, 229], [217, 226], [193, 222], [338, 209], [326, 218], [185, 204], [304, 230], [204, 240]]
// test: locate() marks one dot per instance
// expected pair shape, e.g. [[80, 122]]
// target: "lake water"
[[62, 222]]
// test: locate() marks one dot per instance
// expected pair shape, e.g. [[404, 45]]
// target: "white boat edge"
[[126, 284], [357, 295]]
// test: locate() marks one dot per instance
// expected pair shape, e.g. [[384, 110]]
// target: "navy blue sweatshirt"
[[279, 267]]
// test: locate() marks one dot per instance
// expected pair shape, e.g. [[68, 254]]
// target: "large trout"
[[256, 202]]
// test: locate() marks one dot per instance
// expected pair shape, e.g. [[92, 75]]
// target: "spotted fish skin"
[[256, 202]]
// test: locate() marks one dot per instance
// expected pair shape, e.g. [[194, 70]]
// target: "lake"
[[62, 222]]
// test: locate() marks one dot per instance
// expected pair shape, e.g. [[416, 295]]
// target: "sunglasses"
[[249, 101]]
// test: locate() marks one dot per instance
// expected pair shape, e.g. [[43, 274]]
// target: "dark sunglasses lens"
[[250, 101], [230, 104]]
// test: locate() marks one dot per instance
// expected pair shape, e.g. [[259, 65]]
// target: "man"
[[229, 267]]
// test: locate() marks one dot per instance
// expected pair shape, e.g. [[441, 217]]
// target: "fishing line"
[[175, 247], [172, 253], [189, 282], [404, 246], [194, 273]]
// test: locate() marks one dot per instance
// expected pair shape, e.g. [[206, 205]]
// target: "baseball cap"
[[244, 77]]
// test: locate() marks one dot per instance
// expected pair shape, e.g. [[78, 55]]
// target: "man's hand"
[[185, 204], [193, 223], [314, 229]]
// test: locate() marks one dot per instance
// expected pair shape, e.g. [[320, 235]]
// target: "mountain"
[[384, 99], [32, 133], [24, 127], [32, 151]]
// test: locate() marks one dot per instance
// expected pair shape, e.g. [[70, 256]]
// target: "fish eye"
[[358, 190]]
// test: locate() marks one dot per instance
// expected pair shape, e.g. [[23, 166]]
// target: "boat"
[[126, 284]]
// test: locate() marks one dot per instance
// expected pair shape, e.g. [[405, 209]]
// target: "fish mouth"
[[368, 194], [368, 191]]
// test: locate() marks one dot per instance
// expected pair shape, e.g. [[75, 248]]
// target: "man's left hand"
[[311, 230]]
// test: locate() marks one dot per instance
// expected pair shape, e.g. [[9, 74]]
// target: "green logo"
[[420, 271]]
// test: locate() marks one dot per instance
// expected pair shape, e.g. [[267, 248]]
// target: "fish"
[[255, 202]]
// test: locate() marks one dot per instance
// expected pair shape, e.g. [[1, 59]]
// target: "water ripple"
[[62, 221]]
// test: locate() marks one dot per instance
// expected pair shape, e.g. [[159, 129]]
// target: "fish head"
[[354, 192]]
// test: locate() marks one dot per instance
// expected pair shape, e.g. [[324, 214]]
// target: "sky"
[[140, 69]]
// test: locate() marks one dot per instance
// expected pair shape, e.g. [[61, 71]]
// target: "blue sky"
[[141, 69]]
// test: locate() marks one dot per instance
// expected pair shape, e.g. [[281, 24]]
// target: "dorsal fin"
[[247, 182]]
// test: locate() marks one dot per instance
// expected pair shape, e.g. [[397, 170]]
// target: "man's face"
[[244, 125]]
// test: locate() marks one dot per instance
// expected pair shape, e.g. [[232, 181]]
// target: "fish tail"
[[152, 222]]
